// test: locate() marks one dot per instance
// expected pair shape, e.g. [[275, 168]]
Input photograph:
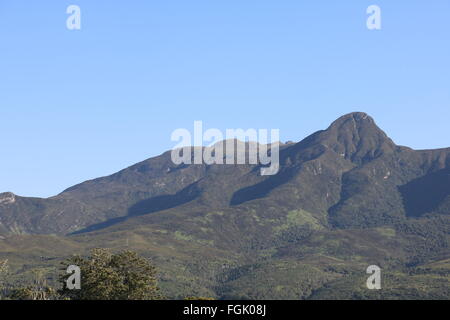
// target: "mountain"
[[349, 175], [344, 198]]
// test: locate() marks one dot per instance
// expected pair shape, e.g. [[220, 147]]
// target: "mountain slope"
[[350, 174]]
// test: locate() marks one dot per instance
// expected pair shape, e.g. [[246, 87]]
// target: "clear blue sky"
[[76, 105]]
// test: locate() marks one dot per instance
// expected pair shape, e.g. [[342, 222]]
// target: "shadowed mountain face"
[[349, 175], [435, 185]]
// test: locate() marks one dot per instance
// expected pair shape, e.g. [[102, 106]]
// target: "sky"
[[80, 104]]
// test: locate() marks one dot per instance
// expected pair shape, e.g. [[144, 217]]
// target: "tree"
[[33, 293], [108, 276], [3, 272], [38, 290]]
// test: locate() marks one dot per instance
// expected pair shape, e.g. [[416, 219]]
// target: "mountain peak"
[[361, 118], [356, 136], [7, 198]]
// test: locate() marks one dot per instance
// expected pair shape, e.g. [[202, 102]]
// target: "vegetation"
[[108, 276], [3, 273], [104, 276], [295, 263]]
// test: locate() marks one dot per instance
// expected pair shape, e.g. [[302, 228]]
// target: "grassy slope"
[[233, 254]]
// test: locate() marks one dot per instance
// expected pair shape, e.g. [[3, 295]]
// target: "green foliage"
[[38, 290], [33, 293], [198, 298], [3, 273], [407, 284], [107, 276]]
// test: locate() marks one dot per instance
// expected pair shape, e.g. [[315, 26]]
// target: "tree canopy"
[[108, 276]]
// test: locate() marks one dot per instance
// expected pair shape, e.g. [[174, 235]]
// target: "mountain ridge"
[[349, 160]]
